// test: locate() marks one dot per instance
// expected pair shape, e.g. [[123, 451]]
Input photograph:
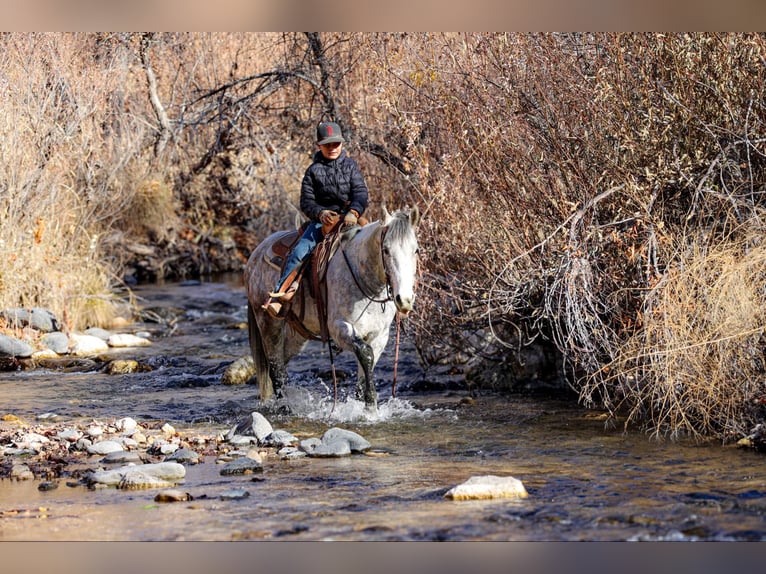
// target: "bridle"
[[372, 297]]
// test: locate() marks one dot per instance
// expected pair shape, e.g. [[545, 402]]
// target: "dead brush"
[[695, 367]]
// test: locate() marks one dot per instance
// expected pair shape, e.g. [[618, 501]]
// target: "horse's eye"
[[386, 251]]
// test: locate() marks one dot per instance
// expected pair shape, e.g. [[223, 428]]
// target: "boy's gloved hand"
[[351, 218], [328, 217]]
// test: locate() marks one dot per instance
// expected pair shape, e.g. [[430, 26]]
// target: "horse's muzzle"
[[403, 304]]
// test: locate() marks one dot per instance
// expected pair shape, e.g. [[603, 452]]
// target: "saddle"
[[315, 267]]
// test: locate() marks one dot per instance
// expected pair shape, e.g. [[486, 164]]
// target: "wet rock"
[[309, 444], [162, 447], [81, 345], [489, 486], [235, 494], [239, 372], [122, 367], [255, 425], [105, 447], [121, 457], [168, 430], [242, 465], [12, 347], [280, 438], [139, 480], [183, 456], [291, 453], [47, 485], [163, 471], [332, 449], [94, 431], [83, 444], [127, 340], [31, 440], [57, 342], [44, 355], [173, 495], [21, 472], [240, 440], [356, 442]]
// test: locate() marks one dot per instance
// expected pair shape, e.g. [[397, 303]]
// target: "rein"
[[385, 270]]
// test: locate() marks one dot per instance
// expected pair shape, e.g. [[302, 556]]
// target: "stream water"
[[585, 481]]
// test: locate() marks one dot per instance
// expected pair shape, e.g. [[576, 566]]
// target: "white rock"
[[69, 434], [105, 447], [80, 345], [489, 486], [94, 431], [127, 340], [126, 424], [163, 471]]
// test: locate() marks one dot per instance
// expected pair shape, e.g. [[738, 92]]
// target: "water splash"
[[320, 406]]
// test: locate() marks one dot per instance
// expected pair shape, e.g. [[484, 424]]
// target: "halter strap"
[[385, 271]]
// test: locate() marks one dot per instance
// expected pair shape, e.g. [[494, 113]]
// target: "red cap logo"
[[329, 131]]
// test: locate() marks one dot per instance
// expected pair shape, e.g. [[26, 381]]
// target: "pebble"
[[279, 438], [126, 424], [173, 495], [183, 456], [242, 465], [47, 485], [486, 487], [255, 425], [94, 431], [236, 494]]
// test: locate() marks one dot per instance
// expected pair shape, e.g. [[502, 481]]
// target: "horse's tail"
[[259, 355]]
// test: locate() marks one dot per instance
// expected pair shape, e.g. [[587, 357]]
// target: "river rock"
[[243, 465], [31, 440], [37, 318], [356, 442], [162, 471], [331, 449], [102, 334], [127, 340], [105, 447], [173, 495], [280, 438], [21, 472], [57, 342], [126, 424], [234, 494], [139, 480], [239, 372], [183, 456], [69, 435], [12, 347], [123, 367], [81, 345], [122, 457], [489, 486], [309, 444], [255, 425]]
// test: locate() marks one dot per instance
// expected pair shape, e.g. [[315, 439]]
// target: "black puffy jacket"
[[336, 184]]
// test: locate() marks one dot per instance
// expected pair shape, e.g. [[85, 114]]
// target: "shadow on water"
[[585, 482]]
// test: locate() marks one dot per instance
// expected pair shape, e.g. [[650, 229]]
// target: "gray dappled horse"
[[369, 279]]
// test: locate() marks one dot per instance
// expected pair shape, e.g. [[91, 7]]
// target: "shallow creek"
[[585, 482]]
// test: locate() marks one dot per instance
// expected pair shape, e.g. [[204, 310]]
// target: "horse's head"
[[400, 255]]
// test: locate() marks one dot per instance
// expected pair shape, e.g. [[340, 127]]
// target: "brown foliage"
[[568, 184]]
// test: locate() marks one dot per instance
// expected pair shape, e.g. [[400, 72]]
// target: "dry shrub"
[[696, 364]]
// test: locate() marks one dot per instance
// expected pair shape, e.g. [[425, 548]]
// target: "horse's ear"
[[414, 216], [386, 215]]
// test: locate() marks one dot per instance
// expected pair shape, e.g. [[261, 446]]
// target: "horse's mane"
[[399, 226]]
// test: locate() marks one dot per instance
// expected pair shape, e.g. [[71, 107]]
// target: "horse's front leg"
[[348, 338]]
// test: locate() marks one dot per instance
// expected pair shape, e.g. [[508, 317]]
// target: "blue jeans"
[[305, 245]]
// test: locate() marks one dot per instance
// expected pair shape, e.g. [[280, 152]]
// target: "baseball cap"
[[329, 132]]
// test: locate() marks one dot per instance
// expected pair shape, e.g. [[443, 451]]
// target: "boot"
[[273, 308]]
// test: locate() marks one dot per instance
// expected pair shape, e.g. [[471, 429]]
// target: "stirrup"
[[273, 309]]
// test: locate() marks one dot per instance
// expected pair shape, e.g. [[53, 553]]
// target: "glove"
[[327, 217], [351, 218]]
